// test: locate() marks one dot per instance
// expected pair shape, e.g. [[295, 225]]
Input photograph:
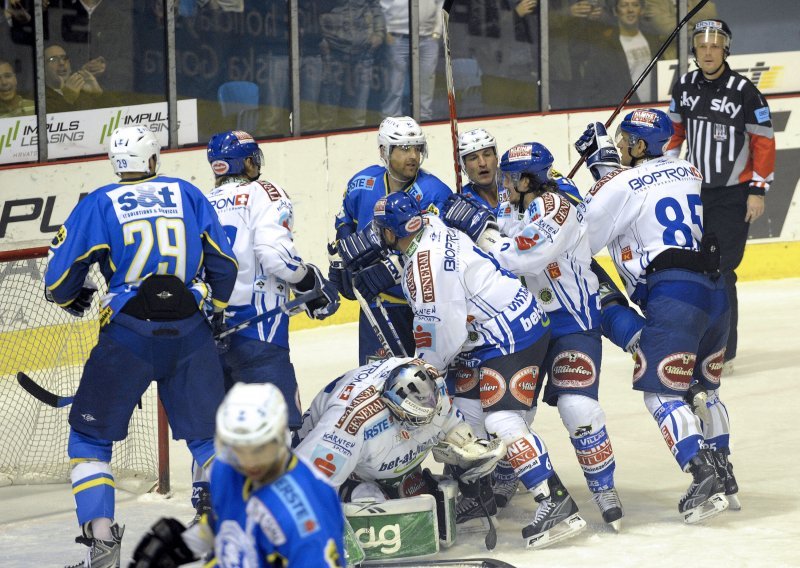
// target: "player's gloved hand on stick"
[[379, 277], [81, 302], [596, 146], [162, 547], [327, 304], [338, 274], [468, 215], [361, 249], [218, 325]]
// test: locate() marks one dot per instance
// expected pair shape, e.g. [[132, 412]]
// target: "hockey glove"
[[162, 547], [81, 302], [218, 325], [596, 146], [361, 249], [379, 277], [468, 215], [338, 274], [328, 302]]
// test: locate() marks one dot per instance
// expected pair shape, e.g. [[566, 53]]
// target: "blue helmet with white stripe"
[[228, 150], [648, 124], [529, 158], [398, 212]]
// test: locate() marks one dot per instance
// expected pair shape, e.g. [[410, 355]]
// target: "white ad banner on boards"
[[85, 133], [771, 73]]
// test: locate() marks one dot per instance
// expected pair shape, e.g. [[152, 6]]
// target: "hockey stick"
[[451, 91], [290, 308], [463, 563], [491, 537], [42, 394], [644, 74], [395, 336], [373, 323]]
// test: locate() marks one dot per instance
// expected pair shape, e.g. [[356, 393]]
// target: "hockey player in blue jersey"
[[544, 242], [479, 159], [402, 148], [152, 237], [269, 508], [650, 218]]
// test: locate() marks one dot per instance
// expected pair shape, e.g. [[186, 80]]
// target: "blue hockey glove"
[[361, 249], [379, 277], [327, 304], [596, 146], [83, 301], [468, 215], [338, 275]]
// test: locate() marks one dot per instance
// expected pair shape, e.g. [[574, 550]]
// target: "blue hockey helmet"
[[399, 212], [529, 158], [648, 124], [228, 150]]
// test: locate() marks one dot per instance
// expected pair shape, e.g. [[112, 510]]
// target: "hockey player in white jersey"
[[258, 219], [542, 239], [370, 429], [466, 305], [650, 218]]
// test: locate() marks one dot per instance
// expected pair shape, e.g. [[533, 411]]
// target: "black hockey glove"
[[596, 146], [327, 304], [162, 547], [361, 249], [467, 215], [338, 274], [379, 277], [82, 302], [218, 325]]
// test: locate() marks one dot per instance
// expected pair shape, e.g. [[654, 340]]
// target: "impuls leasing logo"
[[9, 137], [110, 126]]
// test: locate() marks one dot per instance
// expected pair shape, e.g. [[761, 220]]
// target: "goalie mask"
[[130, 149], [252, 430], [648, 124], [227, 152], [411, 393]]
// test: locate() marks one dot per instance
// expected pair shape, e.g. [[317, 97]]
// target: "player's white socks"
[[679, 426], [526, 452], [717, 428], [473, 414], [101, 528], [585, 421]]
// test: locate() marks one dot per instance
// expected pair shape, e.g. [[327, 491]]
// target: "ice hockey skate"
[[470, 516], [556, 518], [101, 553], [725, 473], [705, 497], [610, 507]]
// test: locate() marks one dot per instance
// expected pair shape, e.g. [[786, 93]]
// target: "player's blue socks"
[[92, 481], [596, 459]]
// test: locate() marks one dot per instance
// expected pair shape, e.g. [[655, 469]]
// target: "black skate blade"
[[567, 528], [708, 509]]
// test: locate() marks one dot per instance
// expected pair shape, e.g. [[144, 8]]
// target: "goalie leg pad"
[[92, 481], [585, 421], [679, 426]]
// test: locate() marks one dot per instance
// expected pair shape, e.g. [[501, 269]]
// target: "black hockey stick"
[[451, 91], [376, 329], [464, 563], [644, 74], [290, 308], [491, 537], [42, 394]]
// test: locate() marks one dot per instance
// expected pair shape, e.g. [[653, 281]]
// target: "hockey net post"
[[51, 346]]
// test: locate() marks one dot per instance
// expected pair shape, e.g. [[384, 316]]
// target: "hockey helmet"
[[252, 429], [411, 392], [399, 212], [228, 150], [400, 131], [130, 149], [529, 158], [473, 141], [648, 124], [711, 30]]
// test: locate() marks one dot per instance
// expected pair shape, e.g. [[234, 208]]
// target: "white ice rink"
[[37, 523]]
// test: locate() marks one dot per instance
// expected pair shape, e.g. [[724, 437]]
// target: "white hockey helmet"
[[411, 392], [400, 131], [473, 141], [130, 149], [252, 429]]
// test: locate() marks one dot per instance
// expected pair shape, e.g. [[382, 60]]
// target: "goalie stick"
[[290, 308], [376, 329], [451, 91], [644, 74]]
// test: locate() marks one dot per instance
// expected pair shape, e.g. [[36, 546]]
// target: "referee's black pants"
[[724, 210]]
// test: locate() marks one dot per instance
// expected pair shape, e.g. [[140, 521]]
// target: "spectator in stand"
[[11, 103], [660, 18], [352, 32], [625, 52], [398, 43], [67, 91]]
